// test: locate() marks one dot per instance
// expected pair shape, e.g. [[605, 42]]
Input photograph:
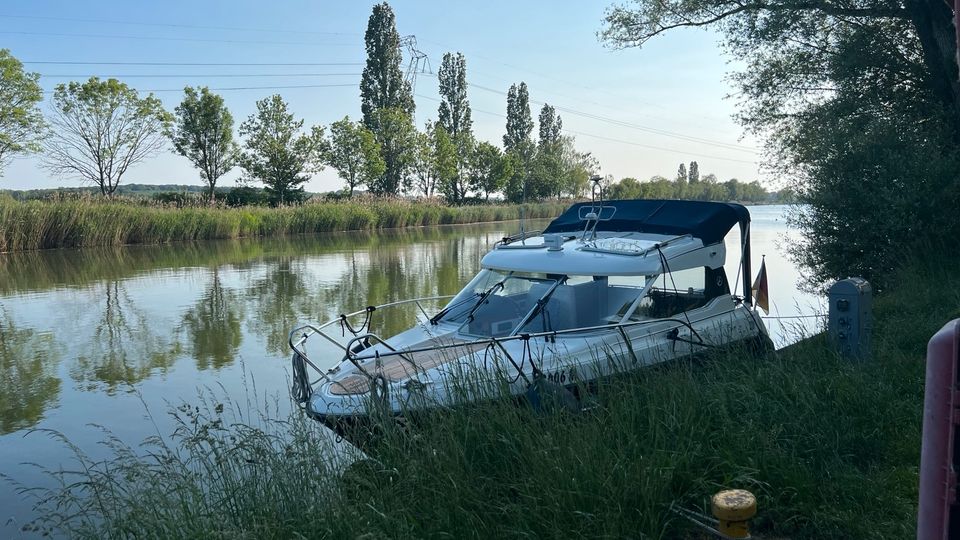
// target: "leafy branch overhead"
[[857, 102]]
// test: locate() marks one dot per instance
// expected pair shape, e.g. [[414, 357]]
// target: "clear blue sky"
[[676, 83]]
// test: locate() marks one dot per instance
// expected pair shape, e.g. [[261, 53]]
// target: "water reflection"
[[213, 325], [28, 381], [168, 319], [277, 301], [125, 347]]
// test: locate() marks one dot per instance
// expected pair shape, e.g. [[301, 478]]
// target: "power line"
[[639, 127], [163, 75], [299, 64], [612, 139], [201, 40], [174, 25], [227, 89]]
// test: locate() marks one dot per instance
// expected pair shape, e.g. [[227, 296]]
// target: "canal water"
[[114, 337]]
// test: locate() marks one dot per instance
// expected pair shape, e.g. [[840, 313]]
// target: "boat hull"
[[366, 431]]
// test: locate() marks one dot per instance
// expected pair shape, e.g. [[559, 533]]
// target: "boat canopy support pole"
[[745, 239]]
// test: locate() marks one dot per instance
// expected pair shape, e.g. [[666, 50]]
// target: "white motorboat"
[[606, 288]]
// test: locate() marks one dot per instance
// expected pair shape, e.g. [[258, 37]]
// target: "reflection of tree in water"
[[279, 301], [388, 273], [125, 347], [213, 325], [28, 384], [370, 268]]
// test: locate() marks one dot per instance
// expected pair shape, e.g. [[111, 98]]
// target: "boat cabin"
[[565, 279]]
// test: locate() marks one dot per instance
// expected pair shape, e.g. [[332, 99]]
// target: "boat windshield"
[[494, 303]]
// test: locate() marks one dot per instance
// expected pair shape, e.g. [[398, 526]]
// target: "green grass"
[[95, 222], [830, 447]]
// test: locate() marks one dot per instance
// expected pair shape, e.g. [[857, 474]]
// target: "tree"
[[21, 123], [354, 153], [578, 168], [203, 133], [519, 122], [858, 102], [422, 164], [386, 97], [277, 153], [516, 141], [694, 175], [626, 188], [445, 163], [490, 169], [454, 117], [396, 137], [923, 27], [550, 126], [454, 109], [101, 129], [381, 84], [682, 173]]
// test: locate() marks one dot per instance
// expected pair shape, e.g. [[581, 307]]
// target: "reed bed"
[[830, 447], [91, 222]]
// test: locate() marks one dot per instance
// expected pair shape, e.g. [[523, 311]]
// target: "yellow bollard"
[[734, 508]]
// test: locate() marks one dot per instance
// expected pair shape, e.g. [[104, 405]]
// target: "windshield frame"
[[481, 298]]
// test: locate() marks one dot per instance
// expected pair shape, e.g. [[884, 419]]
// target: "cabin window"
[[499, 309], [679, 291]]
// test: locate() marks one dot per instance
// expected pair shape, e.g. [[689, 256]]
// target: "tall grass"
[[830, 446], [94, 222]]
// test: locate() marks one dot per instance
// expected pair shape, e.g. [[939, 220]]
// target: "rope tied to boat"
[[301, 382], [345, 323], [527, 352]]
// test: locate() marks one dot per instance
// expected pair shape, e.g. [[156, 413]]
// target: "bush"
[[885, 190], [246, 196]]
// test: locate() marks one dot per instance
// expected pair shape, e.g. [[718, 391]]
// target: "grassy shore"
[[94, 222], [830, 447]]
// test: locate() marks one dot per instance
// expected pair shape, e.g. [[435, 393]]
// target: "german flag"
[[761, 297]]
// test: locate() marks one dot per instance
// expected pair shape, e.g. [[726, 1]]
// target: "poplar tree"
[[519, 122], [516, 141], [682, 173], [386, 100], [694, 172], [550, 126], [397, 141], [454, 118], [382, 85]]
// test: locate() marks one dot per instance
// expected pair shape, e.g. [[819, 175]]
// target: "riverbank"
[[32, 225], [831, 448]]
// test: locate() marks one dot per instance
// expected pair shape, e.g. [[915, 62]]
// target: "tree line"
[[692, 186], [99, 129]]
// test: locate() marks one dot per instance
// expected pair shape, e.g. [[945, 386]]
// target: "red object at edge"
[[938, 514]]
